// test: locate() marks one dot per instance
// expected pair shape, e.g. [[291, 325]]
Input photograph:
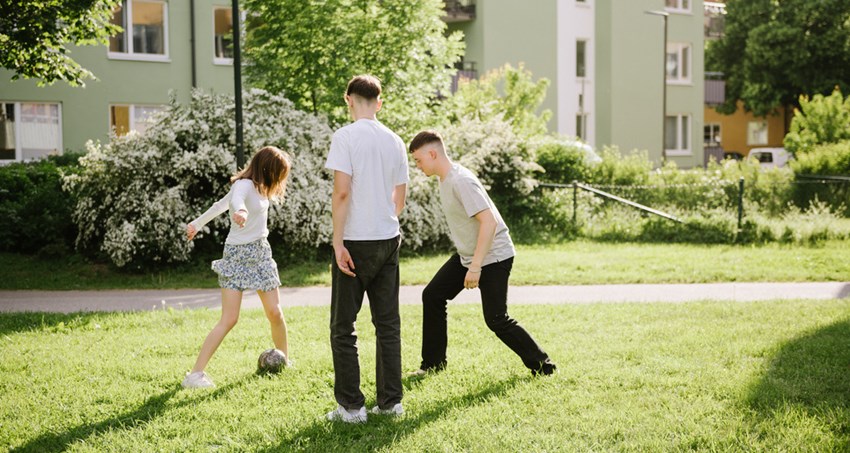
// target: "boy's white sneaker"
[[396, 410], [197, 380], [341, 414]]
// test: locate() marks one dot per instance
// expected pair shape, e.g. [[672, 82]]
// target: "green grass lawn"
[[711, 376], [572, 263]]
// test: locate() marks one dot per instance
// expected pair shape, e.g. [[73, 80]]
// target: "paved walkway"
[[130, 300]]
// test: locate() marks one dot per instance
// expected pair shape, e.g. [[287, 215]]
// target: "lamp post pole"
[[664, 15], [237, 81]]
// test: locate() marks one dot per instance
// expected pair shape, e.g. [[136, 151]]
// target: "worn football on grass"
[[271, 361]]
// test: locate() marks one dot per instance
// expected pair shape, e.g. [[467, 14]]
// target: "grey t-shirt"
[[463, 196]]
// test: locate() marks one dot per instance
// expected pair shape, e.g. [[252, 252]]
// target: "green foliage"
[[616, 168], [563, 162], [823, 119], [34, 36], [829, 160], [35, 215], [508, 93], [774, 50], [309, 50]]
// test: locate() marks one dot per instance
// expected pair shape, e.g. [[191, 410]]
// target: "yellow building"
[[742, 131]]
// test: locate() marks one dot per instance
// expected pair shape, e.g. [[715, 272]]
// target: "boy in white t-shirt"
[[370, 185], [484, 258]]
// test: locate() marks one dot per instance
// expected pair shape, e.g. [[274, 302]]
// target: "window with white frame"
[[124, 118], [679, 6], [581, 126], [145, 35], [757, 133], [581, 58], [29, 130], [223, 35], [711, 134], [677, 135], [678, 63]]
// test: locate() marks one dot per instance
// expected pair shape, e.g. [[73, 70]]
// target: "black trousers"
[[376, 266], [448, 283]]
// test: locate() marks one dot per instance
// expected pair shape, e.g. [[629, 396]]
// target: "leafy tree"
[[823, 119], [773, 51], [34, 36], [508, 93], [309, 49]]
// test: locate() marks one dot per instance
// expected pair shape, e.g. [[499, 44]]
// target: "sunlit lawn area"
[[712, 376], [572, 263]]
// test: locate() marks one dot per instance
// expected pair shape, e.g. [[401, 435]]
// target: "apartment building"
[[167, 47], [609, 66]]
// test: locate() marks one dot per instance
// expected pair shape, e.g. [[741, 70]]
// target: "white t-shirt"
[[243, 195], [463, 196], [375, 158]]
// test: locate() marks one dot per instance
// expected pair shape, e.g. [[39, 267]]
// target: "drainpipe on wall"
[[192, 41]]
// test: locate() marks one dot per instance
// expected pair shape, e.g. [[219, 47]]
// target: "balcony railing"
[[715, 19], [715, 88], [459, 11]]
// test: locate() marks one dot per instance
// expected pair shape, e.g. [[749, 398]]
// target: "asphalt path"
[[141, 300]]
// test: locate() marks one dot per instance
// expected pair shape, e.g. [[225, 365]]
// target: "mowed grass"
[[572, 263], [710, 376]]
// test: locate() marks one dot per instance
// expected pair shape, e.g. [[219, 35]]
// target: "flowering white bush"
[[135, 194], [501, 159]]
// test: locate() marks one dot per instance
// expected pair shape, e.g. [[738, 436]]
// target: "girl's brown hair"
[[268, 170]]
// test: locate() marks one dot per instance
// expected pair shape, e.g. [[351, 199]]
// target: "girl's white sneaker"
[[197, 380]]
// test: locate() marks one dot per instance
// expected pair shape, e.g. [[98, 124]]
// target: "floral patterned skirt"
[[247, 266]]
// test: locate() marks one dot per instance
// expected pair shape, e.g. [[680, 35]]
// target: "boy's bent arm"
[[399, 197], [340, 204]]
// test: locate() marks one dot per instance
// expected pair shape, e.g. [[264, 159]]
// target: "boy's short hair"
[[365, 86], [425, 138]]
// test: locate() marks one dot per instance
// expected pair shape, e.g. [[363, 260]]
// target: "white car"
[[770, 157]]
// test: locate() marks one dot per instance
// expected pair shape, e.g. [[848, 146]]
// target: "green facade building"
[[158, 55]]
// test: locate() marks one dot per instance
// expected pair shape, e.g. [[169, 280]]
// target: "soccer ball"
[[271, 361]]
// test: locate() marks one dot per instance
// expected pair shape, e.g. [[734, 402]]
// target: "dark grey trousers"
[[376, 266]]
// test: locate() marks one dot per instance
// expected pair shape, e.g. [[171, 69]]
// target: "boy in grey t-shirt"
[[485, 255]]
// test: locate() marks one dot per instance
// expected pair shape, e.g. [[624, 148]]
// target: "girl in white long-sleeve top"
[[247, 262]]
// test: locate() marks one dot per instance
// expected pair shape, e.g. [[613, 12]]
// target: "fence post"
[[575, 201], [740, 203]]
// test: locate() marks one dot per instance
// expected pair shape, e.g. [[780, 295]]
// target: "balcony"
[[715, 88], [714, 19], [459, 11]]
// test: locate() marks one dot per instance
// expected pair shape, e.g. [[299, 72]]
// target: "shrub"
[[830, 159], [136, 194], [35, 215], [562, 161], [823, 119]]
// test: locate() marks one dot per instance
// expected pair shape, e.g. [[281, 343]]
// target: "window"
[[677, 134], [126, 118], [29, 130], [757, 133], [678, 63], [679, 6], [581, 47], [223, 35], [144, 36], [711, 134]]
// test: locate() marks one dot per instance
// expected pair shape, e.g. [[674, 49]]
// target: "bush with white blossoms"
[[135, 194]]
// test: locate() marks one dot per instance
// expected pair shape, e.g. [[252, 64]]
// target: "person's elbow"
[[342, 193]]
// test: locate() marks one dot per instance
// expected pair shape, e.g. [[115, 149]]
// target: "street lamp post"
[[237, 81], [664, 15]]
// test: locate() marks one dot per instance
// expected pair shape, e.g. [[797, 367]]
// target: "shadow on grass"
[[382, 431], [152, 408], [809, 375], [35, 322]]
